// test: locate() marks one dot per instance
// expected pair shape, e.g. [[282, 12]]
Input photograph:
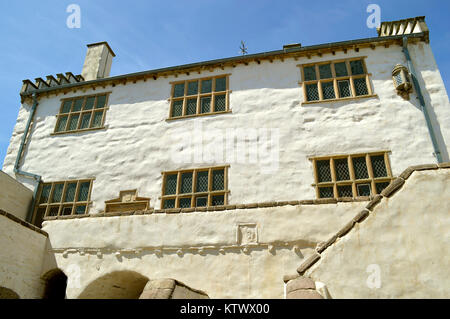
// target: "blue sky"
[[147, 34]]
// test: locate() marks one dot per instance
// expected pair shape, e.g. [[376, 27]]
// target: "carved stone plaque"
[[247, 234]]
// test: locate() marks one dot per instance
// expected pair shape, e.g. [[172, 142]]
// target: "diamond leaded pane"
[[207, 86], [178, 90], [61, 123], [326, 192], [218, 180], [80, 210], [201, 201], [101, 100], [97, 120], [171, 184], [89, 103], [378, 166], [221, 84], [357, 67], [345, 191], [191, 106], [77, 105], [70, 192], [360, 167], [360, 86], [66, 106], [53, 210], [323, 171], [398, 78], [325, 71], [310, 73], [344, 88], [66, 210], [363, 189], [312, 93], [85, 119], [57, 193], [169, 203], [73, 122], [342, 172], [205, 105], [192, 88], [219, 103], [177, 108], [186, 183], [83, 192], [328, 90], [218, 200], [202, 182], [381, 186], [185, 202], [45, 193], [340, 69]]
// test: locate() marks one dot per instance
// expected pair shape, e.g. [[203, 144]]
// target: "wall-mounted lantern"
[[402, 81]]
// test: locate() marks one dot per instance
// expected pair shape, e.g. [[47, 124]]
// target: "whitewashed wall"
[[138, 143], [22, 252], [14, 197], [400, 251]]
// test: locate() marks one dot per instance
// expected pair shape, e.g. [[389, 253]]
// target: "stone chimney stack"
[[97, 64]]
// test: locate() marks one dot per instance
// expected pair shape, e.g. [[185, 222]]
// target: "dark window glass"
[[345, 191], [326, 192], [206, 86], [325, 71], [328, 91], [177, 108], [323, 171], [186, 183], [312, 93], [357, 67], [378, 166], [178, 90], [310, 73], [340, 69], [221, 84], [171, 184], [192, 88], [202, 181], [360, 167], [341, 167], [219, 104]]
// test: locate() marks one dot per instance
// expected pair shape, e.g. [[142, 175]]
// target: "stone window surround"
[[61, 203], [352, 181], [193, 195], [81, 112], [335, 79], [199, 95]]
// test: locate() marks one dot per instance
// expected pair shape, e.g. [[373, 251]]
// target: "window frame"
[[61, 202], [334, 183], [199, 96], [60, 114], [334, 79], [194, 194]]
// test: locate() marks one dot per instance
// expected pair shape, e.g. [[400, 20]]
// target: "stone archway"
[[115, 285], [6, 293], [55, 284]]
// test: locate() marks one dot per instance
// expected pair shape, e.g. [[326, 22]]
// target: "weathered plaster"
[[406, 237]]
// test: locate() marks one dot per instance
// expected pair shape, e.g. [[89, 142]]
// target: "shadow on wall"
[[6, 293]]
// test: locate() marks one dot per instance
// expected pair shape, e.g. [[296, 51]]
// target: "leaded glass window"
[[312, 92], [198, 188], [199, 97], [352, 175], [81, 113], [338, 79], [328, 90], [62, 199]]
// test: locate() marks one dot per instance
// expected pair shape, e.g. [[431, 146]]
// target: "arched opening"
[[56, 284], [115, 285], [6, 293]]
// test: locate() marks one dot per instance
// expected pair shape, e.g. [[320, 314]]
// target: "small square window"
[[206, 86], [221, 84], [344, 88], [360, 86], [178, 90], [363, 189], [357, 67], [340, 69], [192, 88], [328, 90], [345, 191], [310, 73], [312, 93], [326, 192]]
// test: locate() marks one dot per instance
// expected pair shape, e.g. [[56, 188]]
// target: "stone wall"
[[400, 249], [15, 198], [22, 251]]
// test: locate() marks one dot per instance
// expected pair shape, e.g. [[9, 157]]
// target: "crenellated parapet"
[[29, 86]]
